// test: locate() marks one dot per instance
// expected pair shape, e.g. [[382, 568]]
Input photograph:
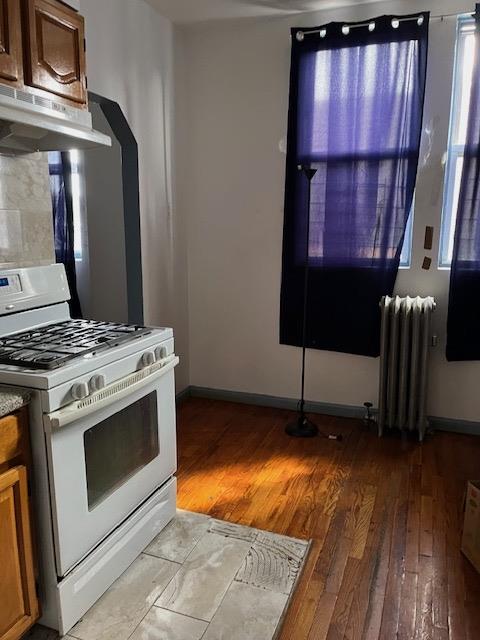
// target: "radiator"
[[404, 349]]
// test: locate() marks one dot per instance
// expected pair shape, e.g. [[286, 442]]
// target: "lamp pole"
[[302, 427]]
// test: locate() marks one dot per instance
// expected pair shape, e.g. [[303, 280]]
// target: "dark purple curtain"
[[463, 338], [355, 115], [61, 189]]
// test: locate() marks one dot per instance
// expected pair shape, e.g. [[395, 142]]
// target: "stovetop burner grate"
[[57, 344]]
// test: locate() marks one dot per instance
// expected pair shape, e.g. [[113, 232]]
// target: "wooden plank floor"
[[384, 517]]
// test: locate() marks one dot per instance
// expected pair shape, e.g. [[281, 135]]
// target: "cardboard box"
[[471, 525]]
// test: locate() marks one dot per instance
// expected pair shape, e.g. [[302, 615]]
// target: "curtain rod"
[[451, 15], [371, 24]]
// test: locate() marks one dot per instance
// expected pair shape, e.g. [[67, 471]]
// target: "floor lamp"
[[302, 427]]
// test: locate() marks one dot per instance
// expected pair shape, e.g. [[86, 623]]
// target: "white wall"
[[130, 60], [232, 196]]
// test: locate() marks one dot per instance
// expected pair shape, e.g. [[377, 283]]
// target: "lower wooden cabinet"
[[18, 599]]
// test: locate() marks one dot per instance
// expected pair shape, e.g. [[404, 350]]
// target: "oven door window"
[[118, 447]]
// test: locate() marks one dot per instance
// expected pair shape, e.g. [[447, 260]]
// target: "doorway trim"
[[131, 203]]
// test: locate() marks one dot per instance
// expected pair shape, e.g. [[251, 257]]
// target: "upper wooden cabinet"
[[11, 63], [55, 51]]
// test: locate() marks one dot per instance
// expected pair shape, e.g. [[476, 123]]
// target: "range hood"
[[30, 123]]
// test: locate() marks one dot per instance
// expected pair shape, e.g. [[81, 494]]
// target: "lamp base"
[[301, 427]]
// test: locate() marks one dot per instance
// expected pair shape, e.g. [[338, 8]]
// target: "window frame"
[[455, 151]]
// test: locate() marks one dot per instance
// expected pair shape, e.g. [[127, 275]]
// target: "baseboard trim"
[[325, 408], [183, 395], [277, 402], [455, 426]]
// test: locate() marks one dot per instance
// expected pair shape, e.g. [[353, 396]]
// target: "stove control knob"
[[79, 390], [161, 353], [97, 383], [148, 358]]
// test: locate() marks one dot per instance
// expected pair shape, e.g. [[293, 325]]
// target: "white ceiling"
[[188, 11]]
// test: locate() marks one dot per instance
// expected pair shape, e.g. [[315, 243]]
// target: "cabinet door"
[[11, 64], [55, 55], [12, 439], [19, 608]]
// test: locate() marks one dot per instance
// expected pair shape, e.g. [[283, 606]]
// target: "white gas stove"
[[102, 426]]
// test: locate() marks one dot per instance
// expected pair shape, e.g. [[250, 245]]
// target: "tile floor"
[[200, 579]]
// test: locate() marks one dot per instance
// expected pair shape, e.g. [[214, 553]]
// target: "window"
[[406, 255], [462, 82], [78, 203], [57, 178], [355, 114], [355, 187]]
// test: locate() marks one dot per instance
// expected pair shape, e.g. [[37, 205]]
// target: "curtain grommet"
[[345, 30], [300, 36], [371, 26], [395, 23], [323, 33], [420, 21]]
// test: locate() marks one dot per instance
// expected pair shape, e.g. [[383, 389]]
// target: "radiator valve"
[[368, 413]]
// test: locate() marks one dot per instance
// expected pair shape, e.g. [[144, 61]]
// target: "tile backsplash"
[[26, 228]]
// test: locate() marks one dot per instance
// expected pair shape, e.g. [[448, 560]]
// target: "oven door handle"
[[110, 394]]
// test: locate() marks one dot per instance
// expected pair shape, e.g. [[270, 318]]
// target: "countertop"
[[12, 399]]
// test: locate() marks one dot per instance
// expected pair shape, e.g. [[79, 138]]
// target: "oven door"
[[107, 454]]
